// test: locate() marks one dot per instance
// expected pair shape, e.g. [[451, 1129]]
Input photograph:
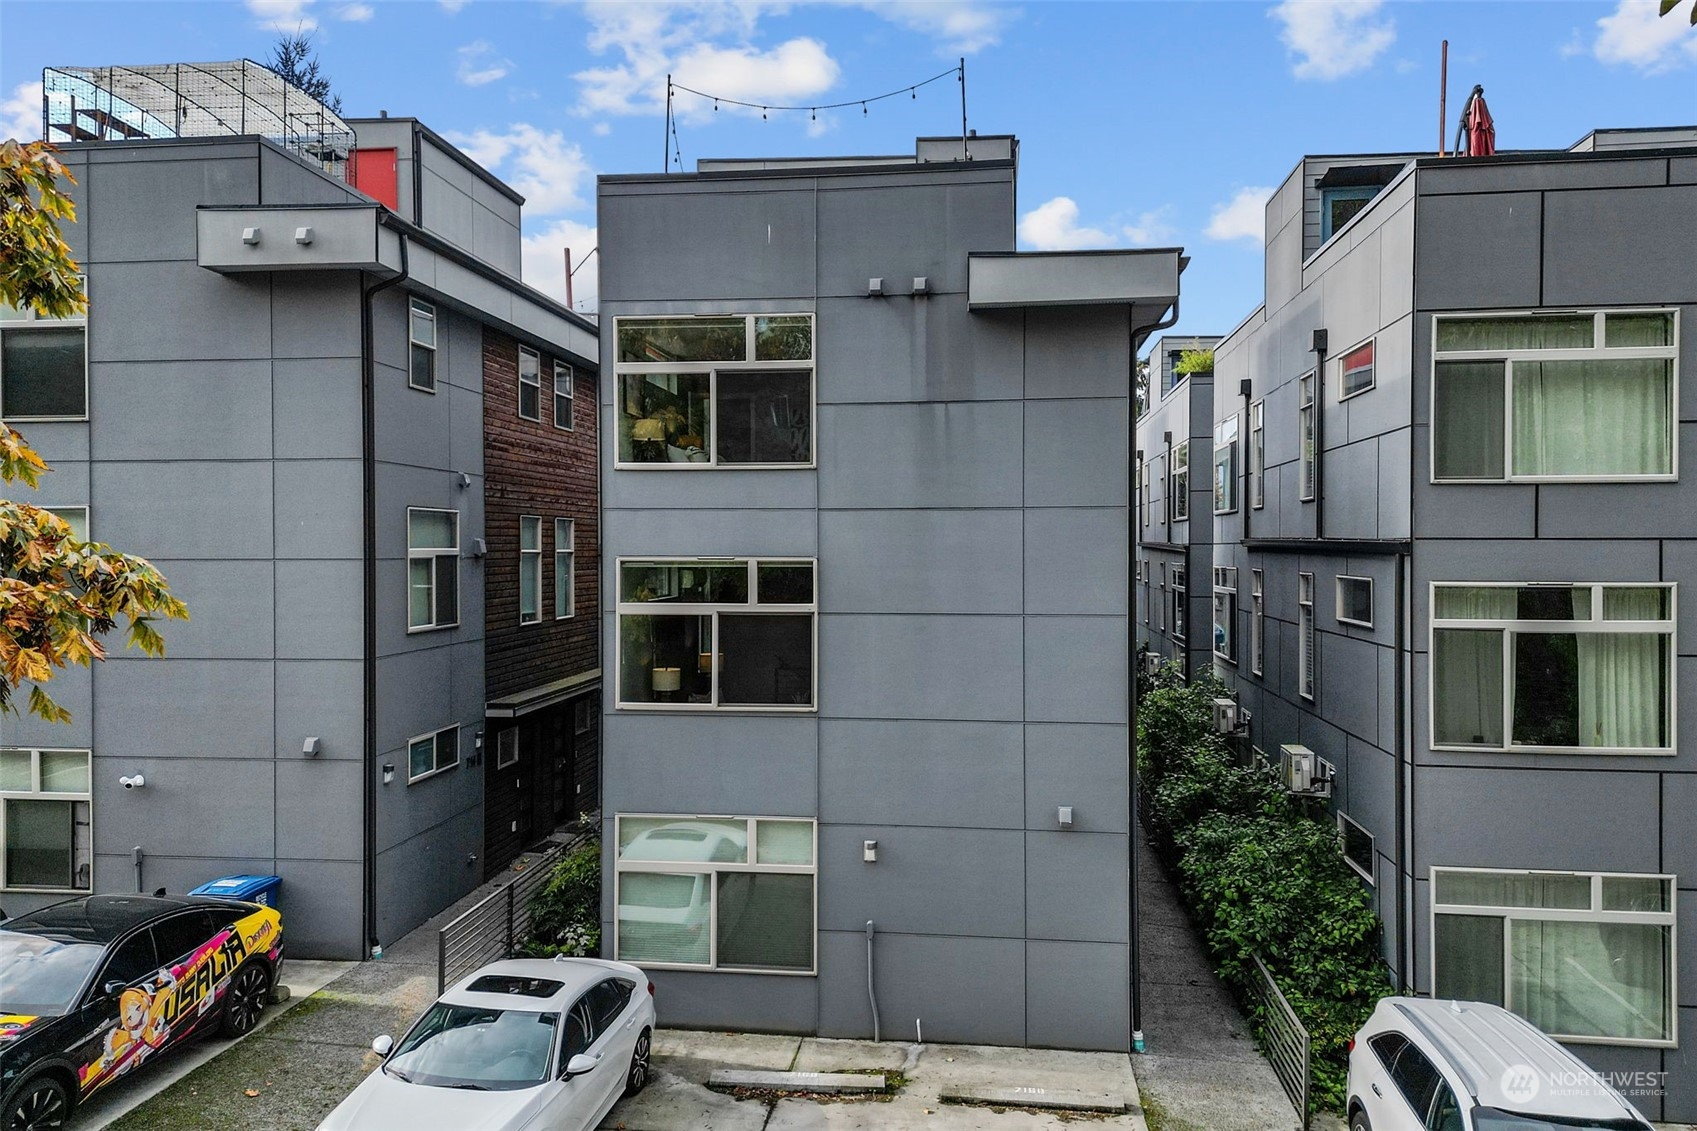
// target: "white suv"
[[1423, 1065]]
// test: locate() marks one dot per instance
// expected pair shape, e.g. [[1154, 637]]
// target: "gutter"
[[368, 615], [1139, 335]]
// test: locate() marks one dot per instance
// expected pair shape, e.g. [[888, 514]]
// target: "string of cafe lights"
[[674, 152]]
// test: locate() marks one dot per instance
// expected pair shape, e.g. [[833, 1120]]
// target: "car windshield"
[[462, 1046], [1491, 1119], [43, 976]]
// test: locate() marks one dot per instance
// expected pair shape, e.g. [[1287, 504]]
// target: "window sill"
[[431, 628], [1342, 397], [438, 772], [719, 709], [689, 966], [1355, 623], [667, 465], [46, 891], [1575, 751]]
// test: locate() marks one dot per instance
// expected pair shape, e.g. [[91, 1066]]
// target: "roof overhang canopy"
[[1144, 279]]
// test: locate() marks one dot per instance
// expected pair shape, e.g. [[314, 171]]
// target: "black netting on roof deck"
[[191, 100]]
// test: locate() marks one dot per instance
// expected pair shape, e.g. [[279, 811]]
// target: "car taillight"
[[1350, 1047], [651, 989]]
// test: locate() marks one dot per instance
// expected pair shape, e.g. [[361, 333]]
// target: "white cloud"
[[1333, 38], [1243, 217], [963, 27], [1053, 226], [355, 13], [545, 263], [481, 64], [20, 113], [601, 129], [283, 15], [539, 164], [1638, 37], [451, 6], [1151, 228]]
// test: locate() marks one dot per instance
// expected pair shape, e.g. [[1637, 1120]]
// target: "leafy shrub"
[[565, 916], [1261, 877]]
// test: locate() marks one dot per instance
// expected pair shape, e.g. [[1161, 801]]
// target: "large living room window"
[[1539, 397], [715, 391], [43, 366], [728, 893], [46, 835], [1557, 668], [1583, 956], [699, 633]]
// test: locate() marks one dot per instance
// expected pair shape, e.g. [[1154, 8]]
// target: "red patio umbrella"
[[1477, 127]]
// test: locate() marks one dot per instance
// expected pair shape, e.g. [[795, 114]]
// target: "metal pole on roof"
[[963, 155], [666, 139]]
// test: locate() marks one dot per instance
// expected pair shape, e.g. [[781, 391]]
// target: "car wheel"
[[1358, 1122], [637, 1078], [246, 1001], [42, 1104]]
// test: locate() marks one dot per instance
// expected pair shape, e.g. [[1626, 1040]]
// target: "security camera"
[[135, 782]]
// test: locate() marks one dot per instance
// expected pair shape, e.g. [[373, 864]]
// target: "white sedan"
[[523, 1044]]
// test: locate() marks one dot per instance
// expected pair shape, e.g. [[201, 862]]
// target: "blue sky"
[[1152, 124]]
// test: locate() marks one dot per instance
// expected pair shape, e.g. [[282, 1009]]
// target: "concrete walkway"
[[1201, 1070]]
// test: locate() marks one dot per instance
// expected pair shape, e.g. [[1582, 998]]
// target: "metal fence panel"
[[1283, 1039], [495, 926]]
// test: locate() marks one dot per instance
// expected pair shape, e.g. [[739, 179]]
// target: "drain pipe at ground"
[[871, 996]]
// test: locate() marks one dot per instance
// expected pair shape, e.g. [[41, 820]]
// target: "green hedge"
[[1260, 874], [565, 915]]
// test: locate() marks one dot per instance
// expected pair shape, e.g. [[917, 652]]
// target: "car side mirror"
[[113, 988], [579, 1065], [382, 1045]]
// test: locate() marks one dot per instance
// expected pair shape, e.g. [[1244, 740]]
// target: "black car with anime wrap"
[[92, 988]]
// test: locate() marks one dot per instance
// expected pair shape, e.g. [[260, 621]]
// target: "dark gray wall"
[[968, 514], [1186, 411]]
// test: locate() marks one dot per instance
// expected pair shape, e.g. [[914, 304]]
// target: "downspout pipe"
[[368, 574], [1245, 391], [1139, 335], [1319, 345], [1404, 926]]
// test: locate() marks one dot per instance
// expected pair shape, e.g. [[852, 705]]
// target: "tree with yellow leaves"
[[58, 595]]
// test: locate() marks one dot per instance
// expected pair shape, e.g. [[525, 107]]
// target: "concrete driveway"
[[679, 1100]]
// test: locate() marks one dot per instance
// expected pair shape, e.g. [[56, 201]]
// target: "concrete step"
[[796, 1081], [1049, 1099]]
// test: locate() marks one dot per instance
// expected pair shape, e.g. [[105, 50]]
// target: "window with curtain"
[[716, 892], [1555, 396], [530, 569], [1553, 667], [1583, 956]]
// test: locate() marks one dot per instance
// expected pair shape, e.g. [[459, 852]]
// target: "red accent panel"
[[373, 173]]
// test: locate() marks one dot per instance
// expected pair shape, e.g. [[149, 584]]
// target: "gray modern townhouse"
[[865, 528], [278, 396], [1453, 585], [1175, 508]]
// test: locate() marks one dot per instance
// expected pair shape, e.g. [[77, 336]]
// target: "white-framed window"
[[1161, 605], [1143, 492], [1355, 371], [1556, 668], [1258, 455], [1181, 609], [1546, 397], [563, 396], [506, 748], [74, 517], [421, 346], [1587, 957], [1225, 465], [1355, 600], [46, 820], [1305, 633], [530, 384], [726, 893], [1357, 845], [1225, 613], [432, 753], [565, 558], [1257, 621], [1305, 435], [530, 569], [1178, 485], [433, 569], [706, 633], [43, 366], [718, 390]]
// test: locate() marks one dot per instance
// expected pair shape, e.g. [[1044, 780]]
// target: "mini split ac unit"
[[1151, 663], [1304, 772], [1225, 715]]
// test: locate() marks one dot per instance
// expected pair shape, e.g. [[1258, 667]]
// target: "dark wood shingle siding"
[[533, 468]]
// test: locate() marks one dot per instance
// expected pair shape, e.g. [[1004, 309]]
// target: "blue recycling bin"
[[253, 889]]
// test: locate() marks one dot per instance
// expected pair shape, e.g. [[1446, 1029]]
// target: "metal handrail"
[[1283, 1039], [498, 924]]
